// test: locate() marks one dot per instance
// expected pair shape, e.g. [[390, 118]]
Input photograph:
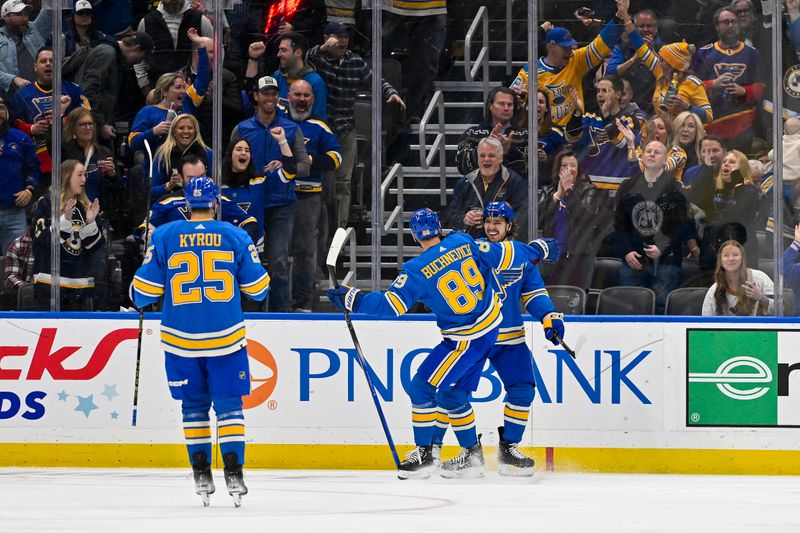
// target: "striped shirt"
[[345, 78], [18, 262]]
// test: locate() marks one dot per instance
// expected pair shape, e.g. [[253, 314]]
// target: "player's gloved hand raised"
[[553, 323], [547, 248], [344, 297]]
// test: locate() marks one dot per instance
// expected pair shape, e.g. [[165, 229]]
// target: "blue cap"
[[498, 210], [424, 224], [202, 192], [560, 36]]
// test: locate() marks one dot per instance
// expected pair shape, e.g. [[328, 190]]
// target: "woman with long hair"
[[79, 235], [689, 131], [576, 213], [241, 186], [737, 290], [80, 142], [184, 138], [658, 128]]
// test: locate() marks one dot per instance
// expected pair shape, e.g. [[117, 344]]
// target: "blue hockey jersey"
[[199, 267], [520, 281]]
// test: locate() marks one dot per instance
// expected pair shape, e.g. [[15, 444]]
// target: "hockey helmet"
[[201, 192], [424, 224], [498, 210]]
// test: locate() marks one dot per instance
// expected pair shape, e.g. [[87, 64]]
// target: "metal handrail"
[[471, 70], [396, 216], [350, 277], [439, 145]]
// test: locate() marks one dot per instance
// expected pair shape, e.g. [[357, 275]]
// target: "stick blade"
[[336, 246]]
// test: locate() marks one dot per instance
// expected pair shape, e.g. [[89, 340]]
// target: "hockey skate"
[[511, 461], [234, 478], [203, 482], [467, 464], [436, 451], [418, 464]]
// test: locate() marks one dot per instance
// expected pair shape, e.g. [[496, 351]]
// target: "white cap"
[[82, 5], [13, 6], [267, 82]]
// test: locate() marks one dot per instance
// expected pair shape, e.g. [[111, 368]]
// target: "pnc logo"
[[263, 374], [740, 370]]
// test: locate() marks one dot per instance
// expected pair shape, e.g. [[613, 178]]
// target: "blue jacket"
[[278, 186], [19, 166]]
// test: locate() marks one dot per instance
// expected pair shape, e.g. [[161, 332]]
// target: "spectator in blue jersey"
[[791, 269], [730, 72], [20, 39], [652, 227], [550, 138], [33, 106], [490, 182], [80, 143], [19, 178], [182, 139], [626, 63], [79, 234], [323, 150], [170, 97], [215, 370], [500, 111], [602, 148], [279, 156], [240, 184], [577, 214], [345, 73], [292, 48]]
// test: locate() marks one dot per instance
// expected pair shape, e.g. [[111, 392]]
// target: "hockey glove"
[[553, 323], [547, 248], [344, 297]]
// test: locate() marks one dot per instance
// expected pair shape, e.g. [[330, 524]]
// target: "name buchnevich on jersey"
[[442, 261]]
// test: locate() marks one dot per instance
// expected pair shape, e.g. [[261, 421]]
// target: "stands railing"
[[482, 60], [438, 146], [396, 216]]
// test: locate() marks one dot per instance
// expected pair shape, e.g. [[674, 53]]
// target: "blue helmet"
[[498, 210], [201, 192], [424, 224]]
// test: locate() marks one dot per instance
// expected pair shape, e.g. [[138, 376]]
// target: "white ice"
[[150, 501]]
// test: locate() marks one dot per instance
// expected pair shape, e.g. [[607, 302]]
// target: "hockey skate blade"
[[467, 473], [422, 473], [514, 471], [205, 498], [237, 499]]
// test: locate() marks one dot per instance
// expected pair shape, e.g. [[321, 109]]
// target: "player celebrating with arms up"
[[510, 356], [454, 278], [199, 266]]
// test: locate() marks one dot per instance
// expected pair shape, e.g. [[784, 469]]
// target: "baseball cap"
[[13, 6], [560, 36], [82, 5], [144, 41], [267, 82], [336, 28]]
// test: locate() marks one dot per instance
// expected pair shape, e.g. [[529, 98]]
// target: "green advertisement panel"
[[732, 377]]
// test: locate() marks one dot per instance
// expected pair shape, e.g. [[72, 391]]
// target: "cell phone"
[[585, 12]]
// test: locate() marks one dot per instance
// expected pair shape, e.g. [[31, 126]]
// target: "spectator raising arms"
[[737, 290]]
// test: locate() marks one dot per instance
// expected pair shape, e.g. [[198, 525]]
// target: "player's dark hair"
[[191, 159]]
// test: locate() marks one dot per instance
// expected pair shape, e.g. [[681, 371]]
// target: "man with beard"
[[167, 25], [310, 223], [19, 177], [729, 70], [19, 42]]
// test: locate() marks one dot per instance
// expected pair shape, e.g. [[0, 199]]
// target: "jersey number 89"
[[462, 290], [220, 281]]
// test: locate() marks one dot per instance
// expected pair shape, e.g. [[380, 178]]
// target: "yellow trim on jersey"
[[447, 363], [321, 124], [204, 344], [247, 221], [507, 257], [397, 304], [171, 199], [147, 287], [256, 286], [196, 98], [336, 156], [528, 296], [488, 320], [258, 179]]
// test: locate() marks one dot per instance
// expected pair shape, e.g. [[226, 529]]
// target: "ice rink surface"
[[150, 501]]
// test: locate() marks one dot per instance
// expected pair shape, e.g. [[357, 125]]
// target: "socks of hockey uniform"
[[440, 426], [231, 433], [519, 398], [197, 431], [463, 421], [423, 410]]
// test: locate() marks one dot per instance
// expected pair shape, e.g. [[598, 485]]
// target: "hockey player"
[[510, 356], [454, 278], [199, 266]]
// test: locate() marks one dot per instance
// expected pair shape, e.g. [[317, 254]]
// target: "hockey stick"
[[560, 341], [336, 245], [148, 185]]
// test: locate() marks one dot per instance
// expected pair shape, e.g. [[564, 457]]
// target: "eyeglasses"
[[743, 12], [86, 125], [727, 22]]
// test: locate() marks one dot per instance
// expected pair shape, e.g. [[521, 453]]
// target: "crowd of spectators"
[[653, 134]]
